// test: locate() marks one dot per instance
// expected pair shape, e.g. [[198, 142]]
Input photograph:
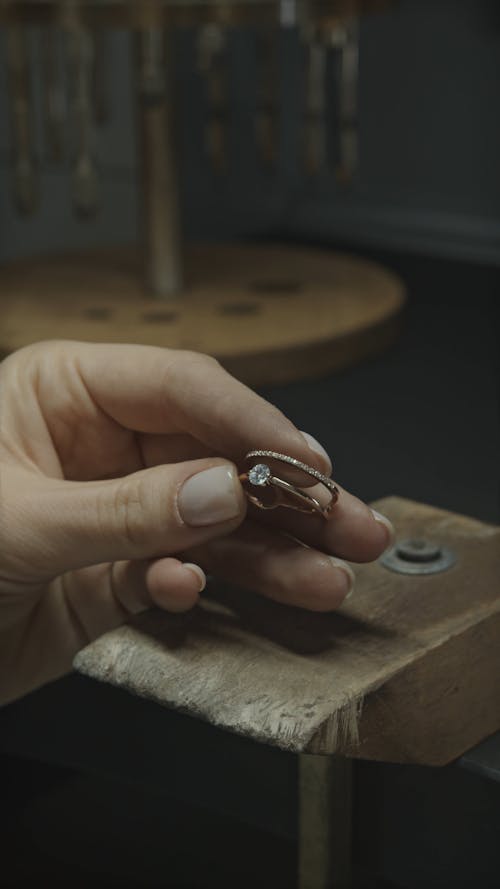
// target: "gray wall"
[[429, 177]]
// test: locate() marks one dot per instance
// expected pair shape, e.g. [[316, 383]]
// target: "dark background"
[[421, 421]]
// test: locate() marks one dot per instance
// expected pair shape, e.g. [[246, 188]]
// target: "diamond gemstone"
[[259, 474]]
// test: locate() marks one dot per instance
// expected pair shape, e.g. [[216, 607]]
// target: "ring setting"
[[280, 492], [260, 474]]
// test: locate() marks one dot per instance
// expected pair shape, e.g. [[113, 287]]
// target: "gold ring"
[[284, 493]]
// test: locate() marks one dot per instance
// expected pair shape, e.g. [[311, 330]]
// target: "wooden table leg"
[[325, 822]]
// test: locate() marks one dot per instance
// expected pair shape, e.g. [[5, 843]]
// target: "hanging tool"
[[212, 62], [80, 63], [346, 39], [54, 100], [267, 99], [21, 108], [100, 75], [315, 151]]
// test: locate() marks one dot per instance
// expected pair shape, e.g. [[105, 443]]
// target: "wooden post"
[[159, 175], [325, 822]]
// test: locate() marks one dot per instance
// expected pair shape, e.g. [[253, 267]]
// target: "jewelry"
[[284, 493]]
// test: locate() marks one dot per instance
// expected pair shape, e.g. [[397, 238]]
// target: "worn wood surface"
[[406, 671], [269, 314]]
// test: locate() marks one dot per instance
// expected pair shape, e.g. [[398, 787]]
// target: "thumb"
[[64, 525]]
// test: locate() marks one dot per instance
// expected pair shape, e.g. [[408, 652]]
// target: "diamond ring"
[[268, 491]]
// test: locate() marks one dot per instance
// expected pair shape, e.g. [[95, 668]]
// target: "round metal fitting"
[[418, 556]]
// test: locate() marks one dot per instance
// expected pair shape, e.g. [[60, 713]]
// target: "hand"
[[119, 479]]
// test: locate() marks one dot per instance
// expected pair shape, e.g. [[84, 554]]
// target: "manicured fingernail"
[[200, 574], [388, 526], [210, 496], [315, 446], [349, 575]]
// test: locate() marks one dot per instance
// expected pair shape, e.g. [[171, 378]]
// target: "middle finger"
[[353, 531]]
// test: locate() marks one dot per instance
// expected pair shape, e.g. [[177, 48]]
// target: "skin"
[[96, 442]]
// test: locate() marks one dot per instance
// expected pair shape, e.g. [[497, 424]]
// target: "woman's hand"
[[119, 479]]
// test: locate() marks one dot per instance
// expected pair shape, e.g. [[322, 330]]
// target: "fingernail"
[[349, 575], [315, 446], [389, 527], [210, 496], [200, 574]]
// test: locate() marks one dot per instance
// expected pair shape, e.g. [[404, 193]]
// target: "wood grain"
[[406, 671], [269, 314], [325, 822]]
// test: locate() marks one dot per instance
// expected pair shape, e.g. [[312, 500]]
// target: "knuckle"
[[130, 509], [30, 360], [186, 358], [202, 359], [183, 371], [23, 357], [196, 365], [41, 348]]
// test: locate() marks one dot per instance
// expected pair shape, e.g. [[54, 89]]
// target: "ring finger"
[[273, 564]]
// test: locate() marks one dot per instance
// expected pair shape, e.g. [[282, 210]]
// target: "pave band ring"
[[268, 491]]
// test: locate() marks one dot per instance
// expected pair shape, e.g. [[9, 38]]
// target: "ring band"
[[285, 493]]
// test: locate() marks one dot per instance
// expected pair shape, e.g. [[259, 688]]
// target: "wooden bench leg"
[[325, 822]]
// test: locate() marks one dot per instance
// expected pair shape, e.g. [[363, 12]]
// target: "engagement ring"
[[267, 490]]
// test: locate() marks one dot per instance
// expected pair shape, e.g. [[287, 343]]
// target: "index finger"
[[154, 390]]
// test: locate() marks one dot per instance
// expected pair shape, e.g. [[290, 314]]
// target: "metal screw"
[[418, 556], [417, 550]]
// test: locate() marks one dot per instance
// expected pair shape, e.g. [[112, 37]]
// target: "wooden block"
[[406, 671]]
